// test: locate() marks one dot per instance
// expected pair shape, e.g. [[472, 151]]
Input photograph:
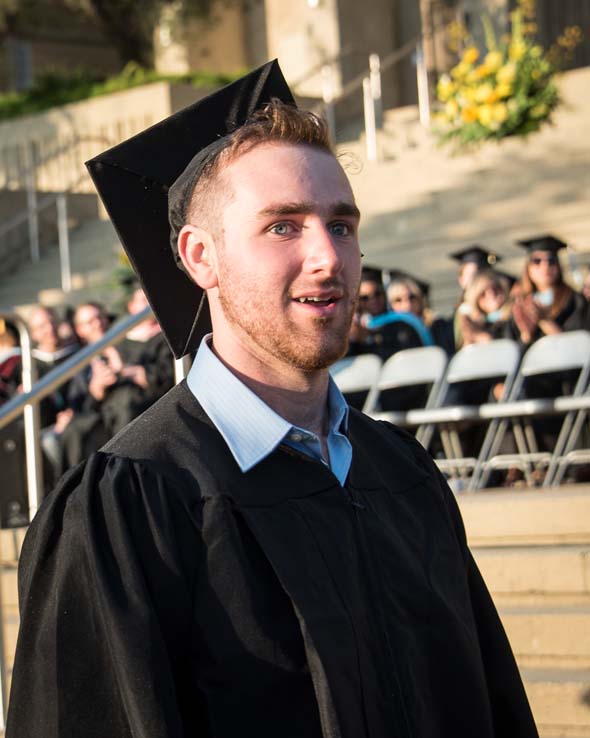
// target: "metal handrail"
[[65, 148], [317, 68], [390, 60], [30, 214]]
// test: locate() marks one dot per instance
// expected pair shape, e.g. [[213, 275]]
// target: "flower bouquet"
[[507, 91]]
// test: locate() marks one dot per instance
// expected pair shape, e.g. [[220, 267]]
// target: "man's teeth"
[[314, 299]]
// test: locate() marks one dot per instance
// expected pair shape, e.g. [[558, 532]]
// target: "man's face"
[[372, 297], [288, 261], [43, 331], [90, 323]]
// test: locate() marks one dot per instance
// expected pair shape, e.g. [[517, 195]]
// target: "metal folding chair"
[[413, 367], [358, 375], [496, 360], [559, 353]]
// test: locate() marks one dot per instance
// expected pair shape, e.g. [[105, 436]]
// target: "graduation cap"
[[372, 274], [542, 243], [396, 275], [146, 183], [476, 254]]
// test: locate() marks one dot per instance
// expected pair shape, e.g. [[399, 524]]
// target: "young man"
[[250, 557]]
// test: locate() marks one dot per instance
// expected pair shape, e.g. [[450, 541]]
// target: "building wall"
[[256, 33], [218, 44], [368, 28], [302, 37]]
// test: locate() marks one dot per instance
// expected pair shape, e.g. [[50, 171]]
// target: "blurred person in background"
[[10, 361], [371, 303], [544, 303], [147, 367], [409, 296], [471, 260], [49, 351], [489, 309]]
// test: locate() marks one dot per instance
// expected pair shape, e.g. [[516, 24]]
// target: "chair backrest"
[[412, 367], [479, 361], [558, 353], [356, 373], [497, 358]]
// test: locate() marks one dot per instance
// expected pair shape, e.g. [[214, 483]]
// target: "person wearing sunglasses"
[[544, 303], [370, 304]]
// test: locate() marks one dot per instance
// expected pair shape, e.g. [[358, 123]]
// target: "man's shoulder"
[[164, 431]]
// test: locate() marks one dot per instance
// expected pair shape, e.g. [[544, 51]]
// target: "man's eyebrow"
[[307, 207]]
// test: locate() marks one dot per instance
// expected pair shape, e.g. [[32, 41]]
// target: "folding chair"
[[413, 367], [559, 353], [496, 360], [567, 455], [356, 377]]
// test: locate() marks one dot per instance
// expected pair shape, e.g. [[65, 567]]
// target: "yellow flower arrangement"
[[506, 89]]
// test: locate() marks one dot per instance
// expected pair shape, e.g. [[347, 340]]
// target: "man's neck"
[[298, 396]]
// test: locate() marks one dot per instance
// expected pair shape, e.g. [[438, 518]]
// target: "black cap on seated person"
[[546, 242], [146, 184], [395, 275], [476, 254]]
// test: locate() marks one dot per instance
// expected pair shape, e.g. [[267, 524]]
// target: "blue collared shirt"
[[252, 429]]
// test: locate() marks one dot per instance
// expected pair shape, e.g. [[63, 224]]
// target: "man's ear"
[[196, 248]]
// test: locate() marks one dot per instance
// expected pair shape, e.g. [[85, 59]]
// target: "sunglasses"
[[550, 260]]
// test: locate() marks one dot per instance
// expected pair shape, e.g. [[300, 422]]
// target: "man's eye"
[[340, 229], [281, 229]]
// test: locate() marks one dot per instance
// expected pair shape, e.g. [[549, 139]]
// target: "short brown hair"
[[273, 122]]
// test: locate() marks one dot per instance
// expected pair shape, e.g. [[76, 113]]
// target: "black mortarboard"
[[476, 254], [372, 273], [542, 243], [398, 274], [134, 179]]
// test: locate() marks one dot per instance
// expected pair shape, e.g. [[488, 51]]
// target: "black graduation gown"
[[165, 594]]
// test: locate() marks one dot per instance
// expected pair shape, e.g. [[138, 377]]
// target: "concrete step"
[[560, 701], [94, 249], [549, 636], [527, 517], [529, 570]]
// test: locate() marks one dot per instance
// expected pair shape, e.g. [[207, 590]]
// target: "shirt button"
[[296, 437]]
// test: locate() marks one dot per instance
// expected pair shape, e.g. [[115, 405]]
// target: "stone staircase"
[[533, 549]]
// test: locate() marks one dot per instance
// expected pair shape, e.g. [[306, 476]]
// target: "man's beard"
[[281, 337]]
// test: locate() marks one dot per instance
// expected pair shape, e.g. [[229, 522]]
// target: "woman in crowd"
[[408, 297], [544, 304], [486, 309]]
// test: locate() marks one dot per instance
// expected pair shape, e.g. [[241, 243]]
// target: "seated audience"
[[116, 386]]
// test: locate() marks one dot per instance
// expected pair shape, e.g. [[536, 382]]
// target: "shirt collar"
[[251, 429]]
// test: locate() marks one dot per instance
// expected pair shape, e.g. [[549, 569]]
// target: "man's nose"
[[324, 254]]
